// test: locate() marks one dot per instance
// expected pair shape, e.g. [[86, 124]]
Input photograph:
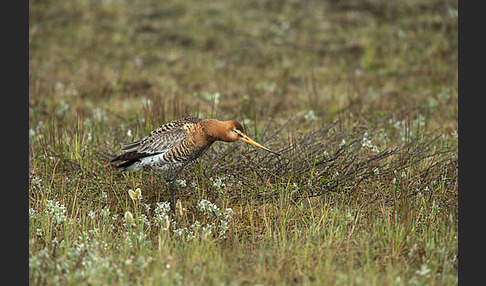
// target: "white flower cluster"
[[310, 116], [224, 218], [181, 183], [56, 211], [367, 143], [207, 206], [161, 215], [218, 183]]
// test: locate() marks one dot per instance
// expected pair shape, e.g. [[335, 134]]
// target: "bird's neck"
[[215, 129]]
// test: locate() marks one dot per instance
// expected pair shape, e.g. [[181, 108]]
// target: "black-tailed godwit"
[[176, 144]]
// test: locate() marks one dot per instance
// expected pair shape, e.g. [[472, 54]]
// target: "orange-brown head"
[[232, 131]]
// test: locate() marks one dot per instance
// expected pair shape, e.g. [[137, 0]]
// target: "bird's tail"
[[132, 160], [131, 165]]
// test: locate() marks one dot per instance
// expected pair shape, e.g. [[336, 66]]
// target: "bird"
[[176, 144]]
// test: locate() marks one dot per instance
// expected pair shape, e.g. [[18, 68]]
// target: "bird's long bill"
[[252, 142]]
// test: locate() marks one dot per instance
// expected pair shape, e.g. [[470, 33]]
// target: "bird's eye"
[[235, 131]]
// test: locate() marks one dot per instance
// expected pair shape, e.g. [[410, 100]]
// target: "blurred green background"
[[245, 59]]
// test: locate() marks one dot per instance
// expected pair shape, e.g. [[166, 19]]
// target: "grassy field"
[[359, 97]]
